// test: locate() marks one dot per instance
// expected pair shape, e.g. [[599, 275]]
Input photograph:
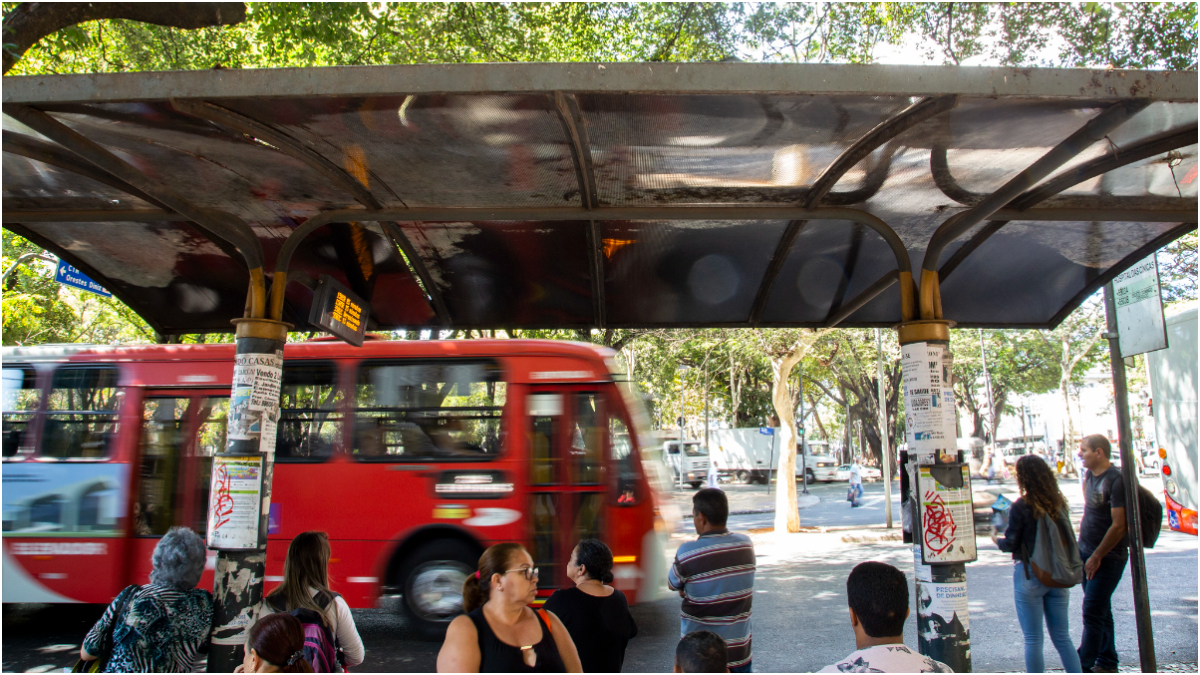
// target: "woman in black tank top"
[[500, 633]]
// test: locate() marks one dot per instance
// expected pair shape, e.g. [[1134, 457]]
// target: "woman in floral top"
[[165, 623]]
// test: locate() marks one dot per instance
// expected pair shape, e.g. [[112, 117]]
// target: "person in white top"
[[856, 483], [306, 585], [878, 598]]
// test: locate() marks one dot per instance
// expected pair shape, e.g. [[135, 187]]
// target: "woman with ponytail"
[[500, 633], [595, 614], [275, 645]]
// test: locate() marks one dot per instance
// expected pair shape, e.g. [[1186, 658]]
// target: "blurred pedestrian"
[[715, 577], [878, 599], [701, 651], [275, 644], [306, 586], [500, 633], [856, 483], [1040, 497], [160, 627], [594, 613], [1104, 546]]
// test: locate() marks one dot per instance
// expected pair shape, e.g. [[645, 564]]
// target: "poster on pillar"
[[930, 427], [947, 515], [1141, 327], [234, 509], [254, 405]]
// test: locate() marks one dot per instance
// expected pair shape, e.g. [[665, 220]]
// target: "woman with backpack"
[[159, 627], [500, 632], [595, 614], [1041, 503], [275, 644], [305, 588]]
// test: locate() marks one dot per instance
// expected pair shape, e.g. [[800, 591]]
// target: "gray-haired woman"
[[163, 625]]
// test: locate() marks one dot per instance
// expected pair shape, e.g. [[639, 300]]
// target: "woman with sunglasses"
[[500, 633]]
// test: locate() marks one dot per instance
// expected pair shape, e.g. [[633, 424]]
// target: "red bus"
[[413, 455]]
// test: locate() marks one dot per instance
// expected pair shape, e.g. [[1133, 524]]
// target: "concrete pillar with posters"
[[938, 495], [240, 497]]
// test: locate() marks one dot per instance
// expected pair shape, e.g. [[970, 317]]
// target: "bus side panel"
[[63, 531], [1174, 392]]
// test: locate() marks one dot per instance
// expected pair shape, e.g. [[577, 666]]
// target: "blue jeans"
[[858, 493], [1035, 600], [1099, 645]]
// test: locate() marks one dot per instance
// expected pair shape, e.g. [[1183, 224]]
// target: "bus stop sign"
[[1140, 324]]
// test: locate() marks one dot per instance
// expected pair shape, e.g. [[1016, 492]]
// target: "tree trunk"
[[787, 513]]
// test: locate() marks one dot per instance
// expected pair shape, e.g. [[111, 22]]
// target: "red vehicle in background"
[[413, 456]]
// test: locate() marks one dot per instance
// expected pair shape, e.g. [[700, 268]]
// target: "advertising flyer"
[[947, 518], [234, 505], [946, 601], [928, 402], [254, 405]]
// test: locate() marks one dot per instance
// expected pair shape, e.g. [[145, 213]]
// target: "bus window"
[[428, 410], [20, 404], [81, 413], [309, 420], [585, 440], [212, 420], [624, 464], [163, 437]]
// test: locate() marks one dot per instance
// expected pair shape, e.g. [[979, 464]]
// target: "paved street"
[[800, 618]]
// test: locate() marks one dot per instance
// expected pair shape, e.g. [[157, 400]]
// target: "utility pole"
[[885, 456], [802, 436], [987, 383], [1133, 520]]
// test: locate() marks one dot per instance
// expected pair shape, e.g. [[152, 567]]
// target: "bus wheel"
[[743, 477], [433, 580]]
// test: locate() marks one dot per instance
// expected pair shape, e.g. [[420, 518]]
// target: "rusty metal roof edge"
[[664, 78]]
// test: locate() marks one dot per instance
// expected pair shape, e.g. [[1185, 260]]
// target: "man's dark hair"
[[713, 504], [702, 651], [878, 594], [1099, 442]]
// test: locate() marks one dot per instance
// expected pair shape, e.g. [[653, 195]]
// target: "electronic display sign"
[[337, 310]]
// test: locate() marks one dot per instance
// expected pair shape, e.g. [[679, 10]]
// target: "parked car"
[[1151, 461]]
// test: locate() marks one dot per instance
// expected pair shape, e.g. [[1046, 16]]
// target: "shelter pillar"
[[938, 495], [240, 497]]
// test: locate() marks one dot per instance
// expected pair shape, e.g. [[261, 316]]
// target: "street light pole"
[[885, 456]]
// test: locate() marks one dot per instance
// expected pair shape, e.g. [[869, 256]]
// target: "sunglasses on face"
[[530, 573]]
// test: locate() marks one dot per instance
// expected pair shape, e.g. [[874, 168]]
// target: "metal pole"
[[21, 261], [771, 465], [942, 626], [1137, 556], [803, 436], [253, 414], [885, 451]]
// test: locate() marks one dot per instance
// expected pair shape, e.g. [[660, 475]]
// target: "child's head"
[[701, 652]]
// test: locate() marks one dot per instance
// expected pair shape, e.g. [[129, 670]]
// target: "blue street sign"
[[766, 431], [69, 276]]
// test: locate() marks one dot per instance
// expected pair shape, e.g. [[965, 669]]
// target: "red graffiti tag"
[[223, 503], [939, 524]]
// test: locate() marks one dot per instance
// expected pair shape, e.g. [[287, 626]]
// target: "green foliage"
[[38, 310]]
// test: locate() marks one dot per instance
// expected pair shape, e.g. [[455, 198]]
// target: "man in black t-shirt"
[[1104, 547]]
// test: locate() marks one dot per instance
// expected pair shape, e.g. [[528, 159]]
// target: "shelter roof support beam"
[[1094, 130], [856, 303], [438, 214], [314, 160], [218, 224], [872, 140], [1164, 142], [575, 129], [54, 155]]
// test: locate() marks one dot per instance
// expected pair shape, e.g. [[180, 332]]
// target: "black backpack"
[[1151, 512]]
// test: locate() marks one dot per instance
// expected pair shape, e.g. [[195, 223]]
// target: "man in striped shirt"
[[715, 577]]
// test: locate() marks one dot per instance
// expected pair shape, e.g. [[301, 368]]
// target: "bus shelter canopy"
[[604, 195]]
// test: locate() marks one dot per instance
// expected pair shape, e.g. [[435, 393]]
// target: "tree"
[[1018, 363], [27, 23], [1076, 343]]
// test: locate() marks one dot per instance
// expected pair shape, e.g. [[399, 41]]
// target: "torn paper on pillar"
[[928, 402], [254, 405], [944, 604]]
